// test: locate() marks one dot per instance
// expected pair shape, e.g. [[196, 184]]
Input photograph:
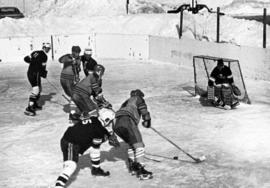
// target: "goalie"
[[221, 89]]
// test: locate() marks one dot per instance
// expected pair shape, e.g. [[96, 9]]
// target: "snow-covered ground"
[[236, 142], [84, 16]]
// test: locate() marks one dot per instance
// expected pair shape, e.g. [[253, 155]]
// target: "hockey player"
[[126, 127], [90, 64], [87, 94], [88, 133], [220, 86], [37, 69], [70, 74], [88, 60]]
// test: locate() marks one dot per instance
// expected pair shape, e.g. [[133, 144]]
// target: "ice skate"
[[37, 107], [143, 174], [99, 172], [30, 111], [131, 167], [235, 104]]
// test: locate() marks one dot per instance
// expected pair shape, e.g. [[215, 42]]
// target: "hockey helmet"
[[106, 116], [46, 45], [76, 49], [136, 92], [88, 51], [220, 63]]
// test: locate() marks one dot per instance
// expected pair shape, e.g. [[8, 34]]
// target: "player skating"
[[221, 87], [88, 133], [37, 69], [70, 74], [126, 127]]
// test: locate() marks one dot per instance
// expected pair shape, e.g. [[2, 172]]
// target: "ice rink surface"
[[236, 143]]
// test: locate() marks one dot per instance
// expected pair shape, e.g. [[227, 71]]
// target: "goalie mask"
[[106, 116]]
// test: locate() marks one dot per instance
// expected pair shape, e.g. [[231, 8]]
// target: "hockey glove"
[[147, 123], [27, 59], [43, 74], [113, 141]]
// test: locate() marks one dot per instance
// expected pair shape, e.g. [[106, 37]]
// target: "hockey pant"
[[84, 102], [68, 86], [128, 131]]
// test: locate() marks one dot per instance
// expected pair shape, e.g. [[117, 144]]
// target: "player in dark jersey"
[[126, 127], [37, 69], [70, 74], [88, 62], [220, 86], [88, 133]]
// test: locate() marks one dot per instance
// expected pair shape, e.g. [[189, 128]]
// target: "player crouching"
[[126, 127], [221, 90], [89, 132]]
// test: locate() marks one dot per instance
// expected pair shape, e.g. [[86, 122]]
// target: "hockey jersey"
[[88, 86], [85, 134], [134, 107], [221, 76], [88, 64], [37, 61], [70, 68]]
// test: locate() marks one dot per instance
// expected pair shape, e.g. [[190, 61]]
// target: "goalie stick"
[[197, 160]]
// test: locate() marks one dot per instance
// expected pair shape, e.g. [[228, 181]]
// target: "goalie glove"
[[146, 123], [113, 141]]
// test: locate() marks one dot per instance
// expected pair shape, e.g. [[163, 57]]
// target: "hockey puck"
[[175, 158], [202, 158]]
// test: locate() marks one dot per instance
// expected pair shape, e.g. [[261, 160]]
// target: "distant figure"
[[221, 87], [37, 69], [70, 74], [126, 127], [88, 133]]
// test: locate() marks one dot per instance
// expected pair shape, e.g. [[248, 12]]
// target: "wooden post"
[[218, 23], [52, 47], [181, 24], [127, 6], [264, 27]]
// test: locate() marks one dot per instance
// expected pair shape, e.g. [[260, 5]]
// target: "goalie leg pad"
[[210, 93], [227, 95]]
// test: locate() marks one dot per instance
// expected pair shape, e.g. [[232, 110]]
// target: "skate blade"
[[29, 113], [146, 177]]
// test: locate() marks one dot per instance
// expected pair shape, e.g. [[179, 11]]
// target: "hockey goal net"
[[203, 66]]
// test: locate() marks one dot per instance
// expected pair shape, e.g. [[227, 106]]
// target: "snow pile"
[[109, 16]]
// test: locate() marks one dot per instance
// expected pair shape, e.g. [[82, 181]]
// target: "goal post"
[[203, 66]]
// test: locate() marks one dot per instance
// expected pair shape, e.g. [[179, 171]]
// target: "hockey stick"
[[65, 97], [197, 160]]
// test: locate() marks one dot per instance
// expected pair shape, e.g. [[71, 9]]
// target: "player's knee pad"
[[69, 167]]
